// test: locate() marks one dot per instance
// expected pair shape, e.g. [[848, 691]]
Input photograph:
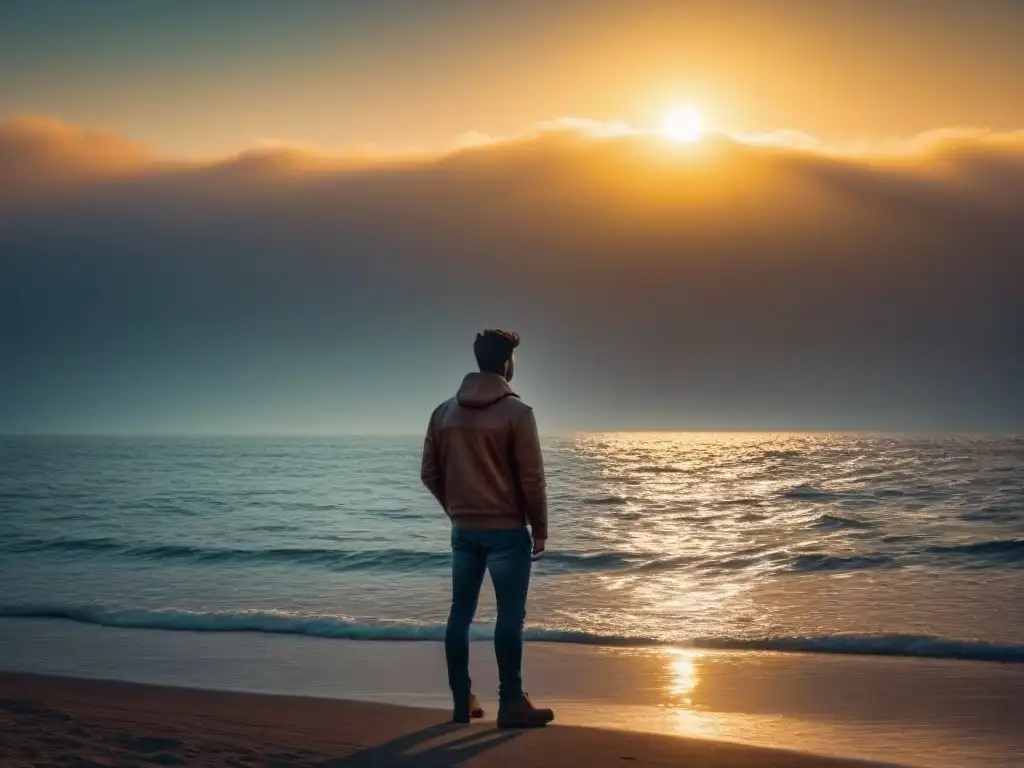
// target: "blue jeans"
[[506, 554]]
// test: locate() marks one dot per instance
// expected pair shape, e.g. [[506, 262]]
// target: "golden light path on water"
[[677, 538], [689, 513]]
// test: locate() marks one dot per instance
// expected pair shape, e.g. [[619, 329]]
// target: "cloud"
[[477, 139], [40, 154], [780, 138], [717, 285], [597, 128]]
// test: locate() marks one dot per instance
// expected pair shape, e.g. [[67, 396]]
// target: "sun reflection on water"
[[691, 522], [684, 676]]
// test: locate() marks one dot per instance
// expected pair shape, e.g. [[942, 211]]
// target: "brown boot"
[[472, 710], [520, 713], [475, 710]]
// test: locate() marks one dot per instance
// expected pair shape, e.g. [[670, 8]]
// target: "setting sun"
[[683, 124]]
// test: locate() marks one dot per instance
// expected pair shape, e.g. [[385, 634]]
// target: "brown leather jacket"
[[482, 458]]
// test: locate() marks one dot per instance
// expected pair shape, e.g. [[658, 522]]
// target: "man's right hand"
[[538, 546]]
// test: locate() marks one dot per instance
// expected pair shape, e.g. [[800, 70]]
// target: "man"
[[482, 461]]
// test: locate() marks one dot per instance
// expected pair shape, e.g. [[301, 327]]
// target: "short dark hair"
[[493, 348]]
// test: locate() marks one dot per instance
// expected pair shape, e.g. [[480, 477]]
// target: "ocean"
[[821, 543]]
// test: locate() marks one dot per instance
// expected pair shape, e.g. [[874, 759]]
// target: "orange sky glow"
[[406, 80]]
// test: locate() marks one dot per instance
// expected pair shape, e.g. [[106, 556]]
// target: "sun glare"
[[683, 124]]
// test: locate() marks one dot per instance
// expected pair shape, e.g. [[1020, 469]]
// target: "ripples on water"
[[739, 540]]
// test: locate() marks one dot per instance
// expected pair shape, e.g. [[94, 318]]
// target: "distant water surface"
[[829, 543]]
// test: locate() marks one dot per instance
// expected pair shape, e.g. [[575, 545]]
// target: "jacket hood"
[[480, 390]]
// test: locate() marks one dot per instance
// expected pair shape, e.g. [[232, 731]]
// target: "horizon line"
[[552, 434]]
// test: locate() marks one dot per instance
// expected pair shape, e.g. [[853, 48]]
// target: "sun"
[[683, 124]]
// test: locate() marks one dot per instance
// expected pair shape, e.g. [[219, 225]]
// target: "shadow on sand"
[[403, 752]]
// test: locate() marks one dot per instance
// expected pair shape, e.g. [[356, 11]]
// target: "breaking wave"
[[342, 627]]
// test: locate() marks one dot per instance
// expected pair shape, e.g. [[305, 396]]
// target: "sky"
[[200, 78], [256, 218]]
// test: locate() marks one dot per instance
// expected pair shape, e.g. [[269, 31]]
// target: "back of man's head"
[[494, 350]]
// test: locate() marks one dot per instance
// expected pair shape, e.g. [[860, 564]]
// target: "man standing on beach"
[[482, 461]]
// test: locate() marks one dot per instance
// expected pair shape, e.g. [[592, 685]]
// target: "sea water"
[[855, 544]]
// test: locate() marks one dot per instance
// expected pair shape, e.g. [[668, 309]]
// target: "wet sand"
[[54, 721], [920, 712]]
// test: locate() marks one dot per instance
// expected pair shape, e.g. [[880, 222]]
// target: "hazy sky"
[[201, 77], [251, 217]]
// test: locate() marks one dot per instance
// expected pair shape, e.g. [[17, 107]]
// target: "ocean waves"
[[289, 623], [817, 562], [330, 558], [914, 646], [1008, 551], [322, 557], [347, 628], [993, 553], [783, 539], [895, 552], [838, 522]]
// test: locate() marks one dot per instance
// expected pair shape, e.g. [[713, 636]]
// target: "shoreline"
[[936, 713], [899, 646], [57, 720]]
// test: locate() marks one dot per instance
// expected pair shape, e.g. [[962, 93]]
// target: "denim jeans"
[[506, 554]]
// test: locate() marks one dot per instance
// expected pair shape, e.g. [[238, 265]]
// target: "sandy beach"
[[335, 698], [53, 721]]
